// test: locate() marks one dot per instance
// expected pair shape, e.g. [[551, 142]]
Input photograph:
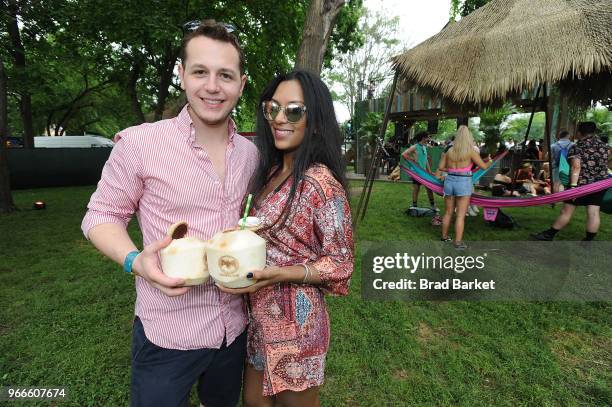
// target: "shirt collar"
[[185, 123]]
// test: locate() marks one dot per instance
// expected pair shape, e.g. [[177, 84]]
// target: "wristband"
[[129, 261]]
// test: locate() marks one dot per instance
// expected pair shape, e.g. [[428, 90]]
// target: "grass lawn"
[[66, 315]]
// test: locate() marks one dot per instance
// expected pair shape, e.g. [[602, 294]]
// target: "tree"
[[490, 124], [464, 7], [515, 127], [320, 18], [74, 67], [355, 70], [11, 9], [602, 118], [370, 129], [6, 198]]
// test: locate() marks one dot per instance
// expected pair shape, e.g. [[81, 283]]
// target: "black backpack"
[[503, 221]]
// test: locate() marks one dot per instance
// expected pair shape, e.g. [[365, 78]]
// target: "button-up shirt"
[[593, 155], [158, 172]]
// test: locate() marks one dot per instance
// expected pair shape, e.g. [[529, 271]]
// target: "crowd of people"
[[574, 163]]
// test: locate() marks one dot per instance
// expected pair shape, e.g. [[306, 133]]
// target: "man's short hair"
[[563, 134], [585, 128], [216, 31]]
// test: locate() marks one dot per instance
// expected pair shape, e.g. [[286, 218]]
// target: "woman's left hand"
[[268, 276]]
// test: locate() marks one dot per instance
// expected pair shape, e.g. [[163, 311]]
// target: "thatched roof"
[[509, 45]]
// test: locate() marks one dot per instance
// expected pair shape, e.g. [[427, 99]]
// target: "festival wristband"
[[129, 261]]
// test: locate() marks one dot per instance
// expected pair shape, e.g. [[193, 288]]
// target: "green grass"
[[65, 319]]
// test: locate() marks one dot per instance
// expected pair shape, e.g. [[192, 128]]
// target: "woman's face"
[[287, 135]]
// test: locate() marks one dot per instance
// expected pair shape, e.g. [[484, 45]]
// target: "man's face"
[[211, 79]]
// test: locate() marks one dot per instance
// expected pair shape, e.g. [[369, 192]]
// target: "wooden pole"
[[376, 158], [548, 114]]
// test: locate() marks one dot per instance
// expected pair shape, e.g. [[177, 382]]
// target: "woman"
[[502, 184], [526, 178], [300, 197], [457, 162]]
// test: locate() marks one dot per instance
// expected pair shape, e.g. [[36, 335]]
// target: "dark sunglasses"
[[193, 25], [293, 111]]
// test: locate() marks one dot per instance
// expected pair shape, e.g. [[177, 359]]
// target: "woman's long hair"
[[463, 146], [321, 143]]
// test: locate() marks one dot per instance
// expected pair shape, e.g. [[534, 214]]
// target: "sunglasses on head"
[[294, 111], [193, 25]]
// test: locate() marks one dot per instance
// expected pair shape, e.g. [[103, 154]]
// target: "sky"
[[419, 20]]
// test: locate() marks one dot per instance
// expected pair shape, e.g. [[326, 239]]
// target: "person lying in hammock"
[[502, 184], [526, 178]]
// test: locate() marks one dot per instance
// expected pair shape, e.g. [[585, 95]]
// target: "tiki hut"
[[508, 46]]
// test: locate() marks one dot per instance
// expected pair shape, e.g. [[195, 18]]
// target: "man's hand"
[[268, 276], [146, 265]]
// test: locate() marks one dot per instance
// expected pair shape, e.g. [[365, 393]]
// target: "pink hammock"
[[502, 202]]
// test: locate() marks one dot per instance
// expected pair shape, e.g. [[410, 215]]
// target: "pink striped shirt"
[[158, 172]]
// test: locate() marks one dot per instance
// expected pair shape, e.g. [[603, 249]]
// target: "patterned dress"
[[289, 325]]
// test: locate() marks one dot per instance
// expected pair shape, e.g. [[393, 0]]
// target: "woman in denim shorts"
[[458, 162]]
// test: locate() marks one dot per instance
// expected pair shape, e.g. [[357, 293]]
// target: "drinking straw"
[[246, 211]]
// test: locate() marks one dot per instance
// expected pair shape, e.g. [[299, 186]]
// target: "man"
[[418, 153], [589, 163], [561, 146], [192, 168]]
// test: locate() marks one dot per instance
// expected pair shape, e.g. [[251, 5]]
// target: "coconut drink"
[[232, 254], [185, 257]]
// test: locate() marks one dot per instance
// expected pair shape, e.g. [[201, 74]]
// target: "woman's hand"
[[268, 276]]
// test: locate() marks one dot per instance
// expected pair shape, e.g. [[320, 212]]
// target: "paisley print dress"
[[289, 326]]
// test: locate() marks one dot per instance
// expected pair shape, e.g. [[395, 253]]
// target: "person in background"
[[561, 146], [541, 149], [544, 180], [532, 152], [418, 153], [589, 163], [525, 178], [502, 184], [458, 186]]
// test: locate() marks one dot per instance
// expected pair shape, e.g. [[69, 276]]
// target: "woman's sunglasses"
[[293, 111], [193, 25]]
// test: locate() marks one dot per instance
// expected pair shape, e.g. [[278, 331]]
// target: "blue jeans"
[[458, 185], [164, 377]]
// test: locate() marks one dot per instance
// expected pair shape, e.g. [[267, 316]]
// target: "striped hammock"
[[476, 175], [507, 201]]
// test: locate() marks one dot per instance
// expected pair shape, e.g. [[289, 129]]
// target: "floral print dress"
[[289, 326]]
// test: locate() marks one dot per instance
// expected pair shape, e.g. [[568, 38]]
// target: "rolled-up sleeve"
[[333, 229], [119, 189]]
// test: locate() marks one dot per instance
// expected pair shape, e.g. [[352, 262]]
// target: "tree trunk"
[[6, 197], [320, 19], [165, 79], [18, 53], [133, 93]]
